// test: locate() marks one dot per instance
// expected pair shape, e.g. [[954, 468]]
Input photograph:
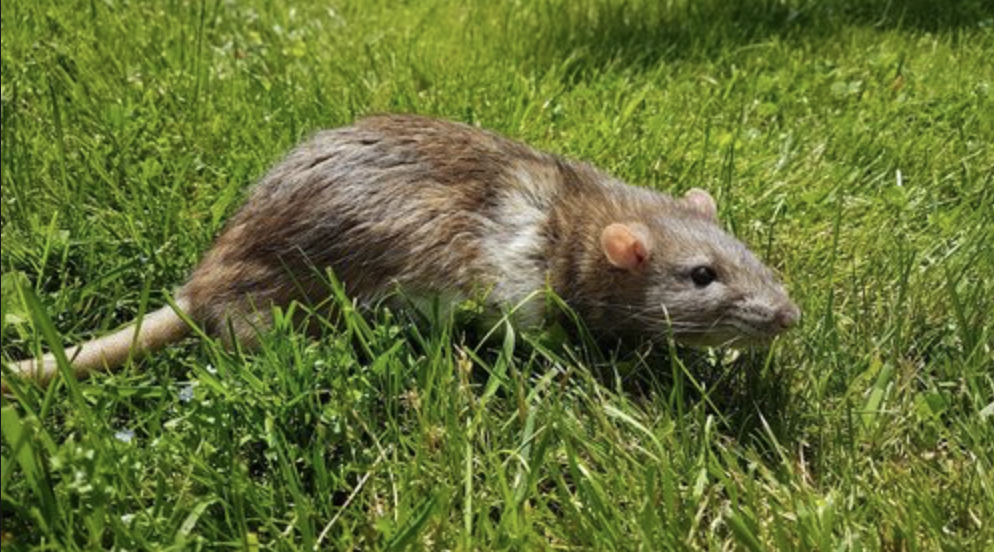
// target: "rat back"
[[392, 202]]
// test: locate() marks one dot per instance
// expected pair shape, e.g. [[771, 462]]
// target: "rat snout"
[[787, 316]]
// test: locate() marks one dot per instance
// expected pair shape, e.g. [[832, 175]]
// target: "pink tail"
[[155, 331]]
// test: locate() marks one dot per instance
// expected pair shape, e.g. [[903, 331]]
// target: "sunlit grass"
[[848, 142]]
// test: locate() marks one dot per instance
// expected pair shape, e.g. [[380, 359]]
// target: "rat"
[[439, 209]]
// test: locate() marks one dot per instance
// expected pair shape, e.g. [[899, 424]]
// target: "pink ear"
[[701, 202], [624, 248]]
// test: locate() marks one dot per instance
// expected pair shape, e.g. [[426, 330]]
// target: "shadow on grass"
[[640, 34], [751, 394]]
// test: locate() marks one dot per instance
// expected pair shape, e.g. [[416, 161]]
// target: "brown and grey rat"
[[441, 209]]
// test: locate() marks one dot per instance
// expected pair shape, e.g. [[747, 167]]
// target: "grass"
[[848, 141]]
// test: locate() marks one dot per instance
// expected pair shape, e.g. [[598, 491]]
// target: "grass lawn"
[[848, 141]]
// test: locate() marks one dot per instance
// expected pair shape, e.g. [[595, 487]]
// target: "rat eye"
[[703, 276]]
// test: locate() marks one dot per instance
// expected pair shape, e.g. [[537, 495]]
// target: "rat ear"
[[624, 247], [702, 203]]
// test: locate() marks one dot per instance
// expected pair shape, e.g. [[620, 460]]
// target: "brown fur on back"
[[390, 200]]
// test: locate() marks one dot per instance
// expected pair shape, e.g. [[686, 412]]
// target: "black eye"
[[703, 276]]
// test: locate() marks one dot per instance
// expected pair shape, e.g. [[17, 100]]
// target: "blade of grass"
[[20, 439], [411, 529], [43, 325], [742, 528]]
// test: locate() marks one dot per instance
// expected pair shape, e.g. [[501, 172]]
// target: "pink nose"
[[788, 316]]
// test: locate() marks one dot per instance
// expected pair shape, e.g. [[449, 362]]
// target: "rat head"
[[696, 281]]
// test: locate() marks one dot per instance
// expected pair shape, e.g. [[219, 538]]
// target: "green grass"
[[850, 142]]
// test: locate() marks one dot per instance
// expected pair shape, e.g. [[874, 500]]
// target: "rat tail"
[[154, 331]]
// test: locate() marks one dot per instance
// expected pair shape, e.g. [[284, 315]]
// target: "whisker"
[[726, 324]]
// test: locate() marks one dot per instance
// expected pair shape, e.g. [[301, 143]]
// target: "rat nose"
[[788, 316]]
